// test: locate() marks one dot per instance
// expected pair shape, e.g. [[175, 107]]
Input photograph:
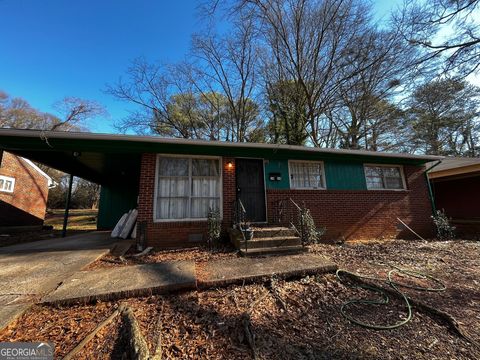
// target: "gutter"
[[45, 135], [430, 192]]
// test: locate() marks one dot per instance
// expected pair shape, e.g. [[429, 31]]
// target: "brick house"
[[354, 194], [23, 191], [455, 184]]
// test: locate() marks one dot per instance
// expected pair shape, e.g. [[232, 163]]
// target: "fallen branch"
[[409, 228], [447, 318], [144, 252], [247, 324], [253, 304], [272, 287], [91, 335], [114, 261], [137, 343], [157, 354]]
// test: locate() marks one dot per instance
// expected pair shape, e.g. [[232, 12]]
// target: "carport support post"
[[67, 205]]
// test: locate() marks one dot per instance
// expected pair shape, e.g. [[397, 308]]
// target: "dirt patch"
[[198, 254], [305, 324]]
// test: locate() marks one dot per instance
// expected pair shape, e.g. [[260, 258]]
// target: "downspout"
[[430, 192]]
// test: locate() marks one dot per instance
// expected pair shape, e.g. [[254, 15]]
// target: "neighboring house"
[[23, 191], [456, 188], [354, 194]]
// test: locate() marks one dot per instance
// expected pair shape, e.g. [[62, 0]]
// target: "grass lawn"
[[296, 319], [78, 219]]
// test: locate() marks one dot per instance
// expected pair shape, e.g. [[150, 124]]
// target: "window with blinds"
[[306, 175], [382, 177], [187, 187]]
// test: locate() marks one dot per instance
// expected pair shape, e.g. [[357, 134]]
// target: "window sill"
[[160, 221], [394, 190], [303, 189]]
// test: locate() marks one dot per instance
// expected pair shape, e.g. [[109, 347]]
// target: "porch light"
[[230, 164]]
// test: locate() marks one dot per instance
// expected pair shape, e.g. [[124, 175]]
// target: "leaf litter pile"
[[198, 254], [280, 319]]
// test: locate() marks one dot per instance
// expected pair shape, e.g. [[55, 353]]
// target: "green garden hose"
[[385, 299]]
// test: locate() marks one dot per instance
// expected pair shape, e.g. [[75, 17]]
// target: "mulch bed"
[[197, 254], [64, 326], [302, 321]]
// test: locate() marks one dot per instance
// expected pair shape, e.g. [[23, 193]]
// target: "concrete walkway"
[[125, 281], [235, 271], [147, 279], [29, 271]]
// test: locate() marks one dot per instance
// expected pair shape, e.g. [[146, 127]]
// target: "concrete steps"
[[279, 250], [270, 241]]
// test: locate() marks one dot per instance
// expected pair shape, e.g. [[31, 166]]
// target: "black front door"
[[251, 188]]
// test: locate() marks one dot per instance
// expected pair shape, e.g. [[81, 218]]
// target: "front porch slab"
[[236, 271]]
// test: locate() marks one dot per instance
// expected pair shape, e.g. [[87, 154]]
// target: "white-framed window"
[[384, 177], [187, 187], [7, 184], [306, 174]]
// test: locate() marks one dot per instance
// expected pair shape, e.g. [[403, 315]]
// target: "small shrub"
[[310, 233], [444, 230], [214, 226]]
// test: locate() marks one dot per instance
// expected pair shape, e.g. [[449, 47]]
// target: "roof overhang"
[[470, 170], [104, 158]]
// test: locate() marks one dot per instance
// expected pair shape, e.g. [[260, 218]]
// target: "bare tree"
[[211, 97], [307, 42], [73, 112], [229, 64], [377, 71], [446, 30]]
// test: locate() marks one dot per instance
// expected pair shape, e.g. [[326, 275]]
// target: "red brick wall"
[[176, 234], [28, 202], [345, 213], [365, 214]]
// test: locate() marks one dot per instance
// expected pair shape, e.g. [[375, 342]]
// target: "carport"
[[115, 165]]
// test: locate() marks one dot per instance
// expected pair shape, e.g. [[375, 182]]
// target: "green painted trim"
[[280, 167], [342, 175]]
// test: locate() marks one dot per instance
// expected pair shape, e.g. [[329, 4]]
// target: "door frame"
[[264, 185]]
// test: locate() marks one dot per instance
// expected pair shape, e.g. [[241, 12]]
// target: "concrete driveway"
[[30, 271]]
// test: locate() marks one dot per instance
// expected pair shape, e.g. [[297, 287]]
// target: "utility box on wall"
[[274, 176]]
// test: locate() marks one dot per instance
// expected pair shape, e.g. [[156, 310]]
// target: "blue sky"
[[50, 49]]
